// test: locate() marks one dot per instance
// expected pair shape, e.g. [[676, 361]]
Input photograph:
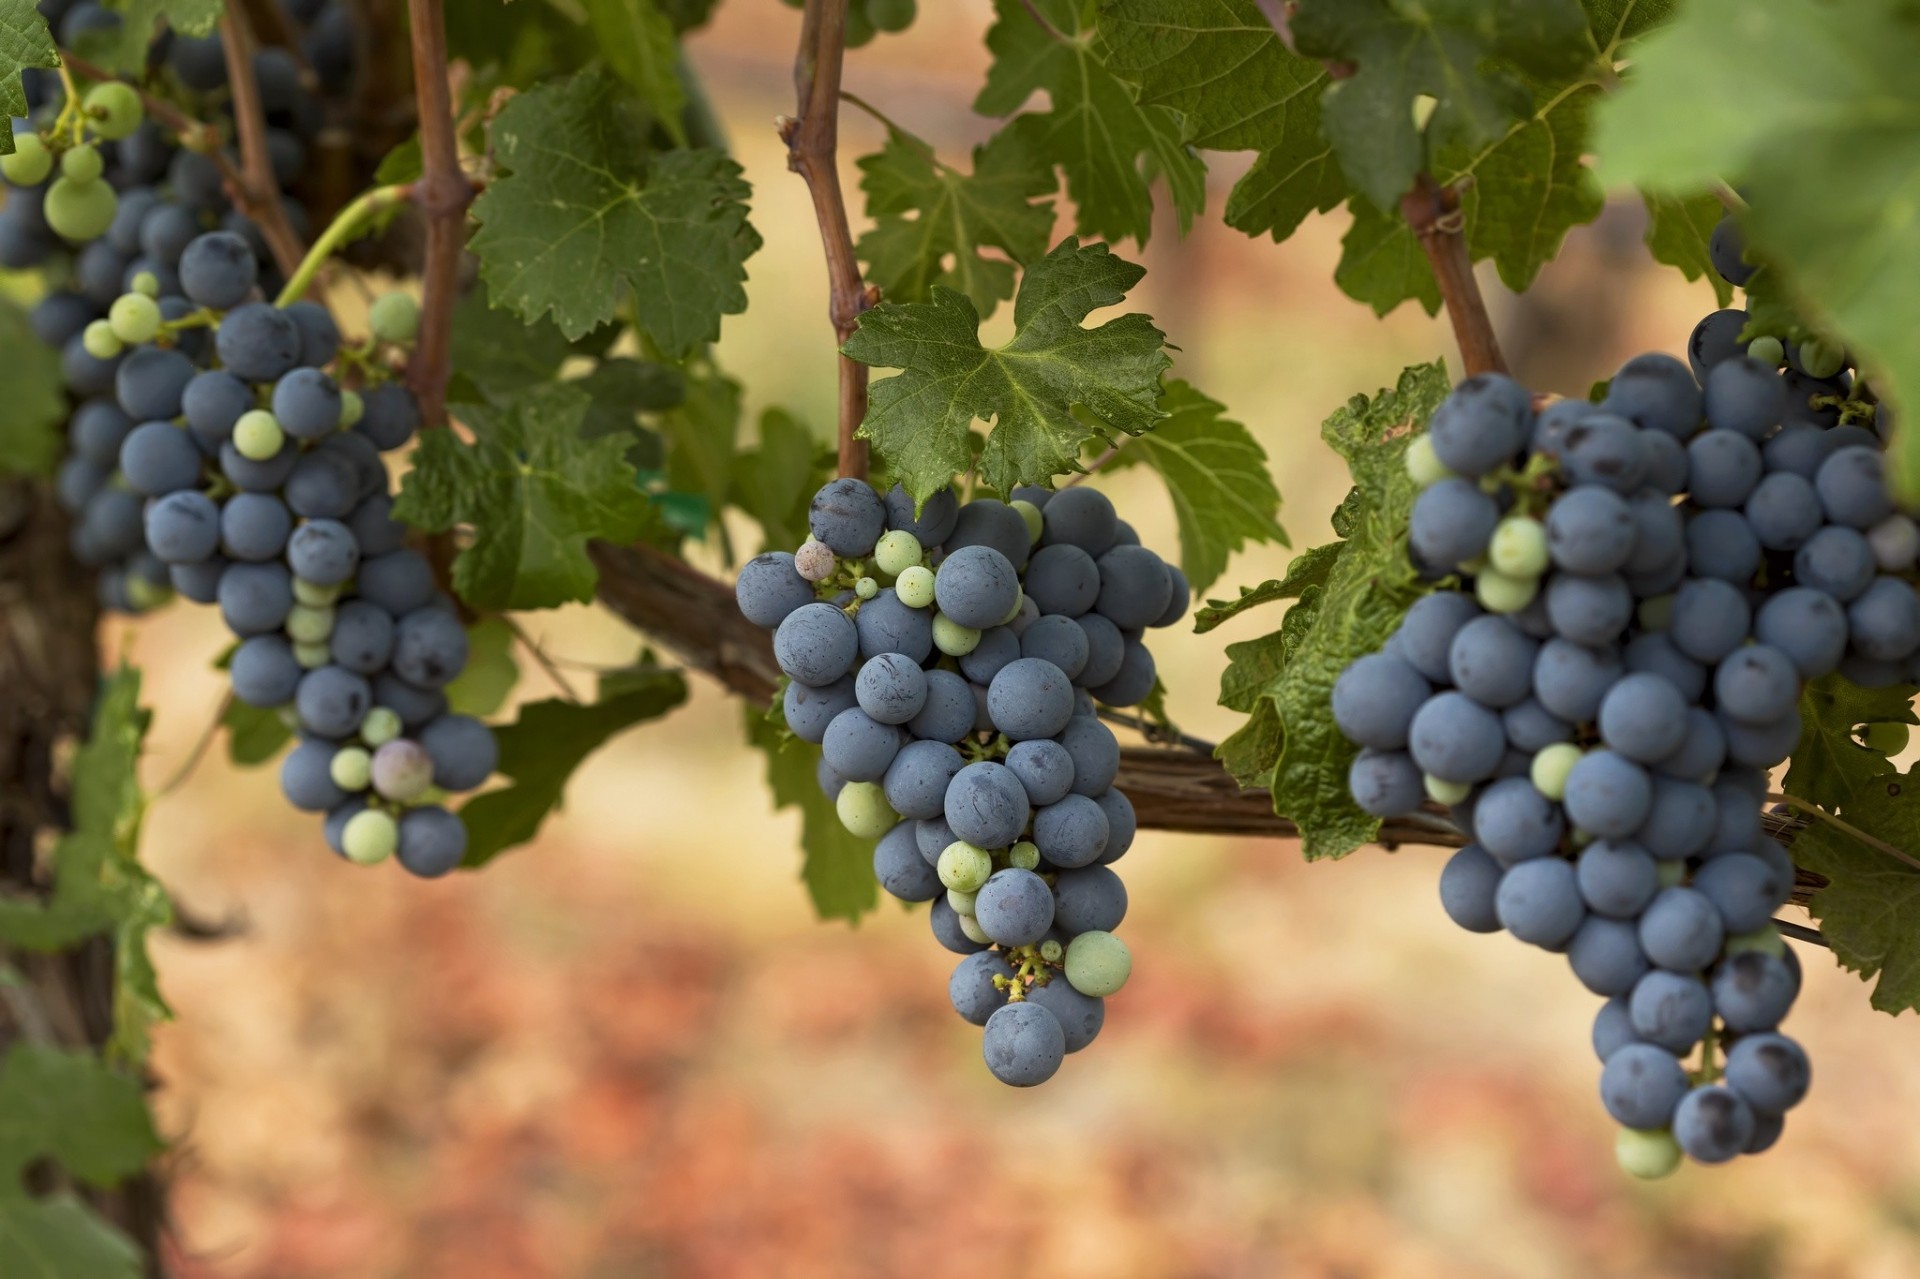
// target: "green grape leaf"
[[1216, 473], [1309, 568], [403, 164], [1382, 264], [931, 221], [496, 351], [1867, 909], [775, 482], [1833, 121], [637, 39], [920, 420], [254, 734], [1828, 766], [518, 42], [700, 432], [1614, 22], [1470, 56], [59, 1237], [490, 674], [620, 390], [541, 749], [32, 438], [99, 885], [584, 216], [1350, 599], [1109, 146], [1678, 230], [533, 491], [124, 48], [70, 1107], [838, 866]]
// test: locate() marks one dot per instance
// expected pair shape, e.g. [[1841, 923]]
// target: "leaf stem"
[[1433, 211], [443, 194], [539, 655], [1846, 828], [346, 225], [254, 188], [812, 141]]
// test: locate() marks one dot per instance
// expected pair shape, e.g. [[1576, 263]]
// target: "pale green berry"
[[915, 587], [1519, 548], [257, 435], [1025, 855], [145, 283], [369, 837], [952, 638], [866, 588], [896, 552], [309, 625], [1423, 464], [962, 903], [1648, 1153], [351, 769], [1031, 514], [314, 595], [394, 317], [1098, 964], [100, 341], [1499, 593], [864, 811], [1445, 792], [970, 927], [352, 409], [1767, 349], [964, 867], [134, 317], [311, 656], [1550, 767], [381, 725], [30, 162]]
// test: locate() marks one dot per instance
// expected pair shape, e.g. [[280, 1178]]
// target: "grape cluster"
[[1646, 584], [948, 660], [103, 202]]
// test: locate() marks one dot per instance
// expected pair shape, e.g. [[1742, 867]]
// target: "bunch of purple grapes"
[[1646, 585], [948, 660]]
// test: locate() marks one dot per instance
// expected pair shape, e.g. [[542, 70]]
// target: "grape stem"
[[812, 141], [539, 655], [442, 194], [256, 191], [195, 135], [1433, 211], [346, 226], [1845, 827]]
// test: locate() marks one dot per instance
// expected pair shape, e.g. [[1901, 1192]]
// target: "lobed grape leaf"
[[1216, 473], [58, 1237], [25, 42], [585, 216], [954, 216], [1678, 232], [775, 482], [920, 420], [838, 870], [701, 432], [543, 747], [70, 1107], [1828, 766], [1350, 596], [1835, 117], [1867, 909], [534, 490], [125, 48], [32, 438], [1471, 57], [491, 672], [515, 42], [1382, 263], [1307, 569], [254, 734], [1108, 145], [99, 885], [637, 39]]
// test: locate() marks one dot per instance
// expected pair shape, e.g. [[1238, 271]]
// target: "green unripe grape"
[[1051, 950], [864, 810], [1887, 738], [134, 318], [890, 15], [100, 341], [952, 638], [1821, 358], [30, 162], [351, 769], [80, 211], [83, 164], [1025, 855], [859, 28], [866, 588], [146, 283], [394, 317], [971, 928], [257, 435], [1766, 940], [1499, 593], [1551, 766], [381, 725], [1519, 548], [964, 867], [1098, 964], [1019, 598], [309, 625], [313, 594], [1445, 792], [915, 587], [962, 903], [144, 595], [352, 409], [896, 552], [1648, 1153], [1656, 613], [312, 656], [369, 837], [1423, 464], [113, 109], [1767, 350], [1031, 514], [1666, 874]]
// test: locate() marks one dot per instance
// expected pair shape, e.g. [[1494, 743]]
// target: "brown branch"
[[1433, 211], [443, 194], [254, 189], [811, 152]]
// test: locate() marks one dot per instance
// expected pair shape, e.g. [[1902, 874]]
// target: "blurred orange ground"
[[629, 1052]]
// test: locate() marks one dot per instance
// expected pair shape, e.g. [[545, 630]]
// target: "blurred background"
[[630, 1050]]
